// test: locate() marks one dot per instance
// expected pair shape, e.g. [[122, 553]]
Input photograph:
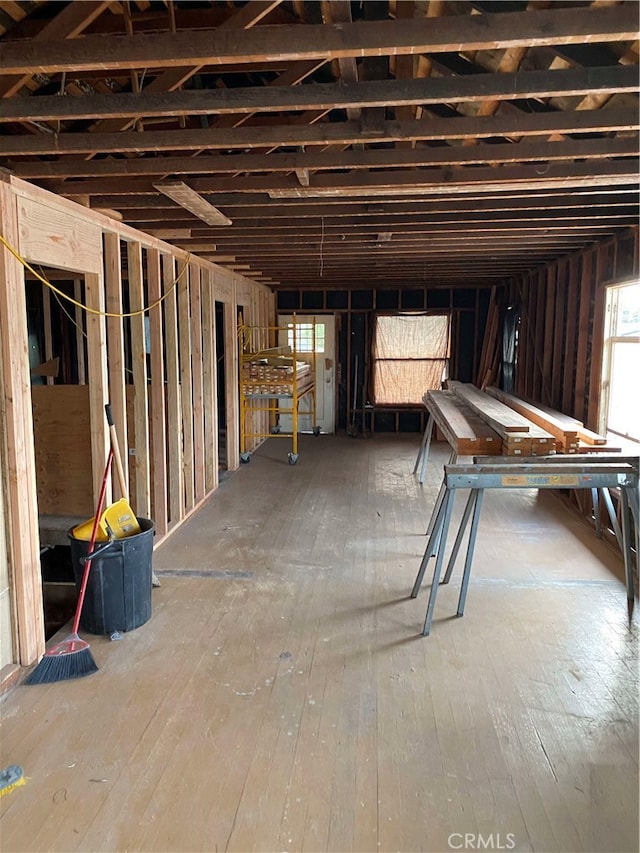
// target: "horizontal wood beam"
[[327, 133], [244, 205], [370, 159], [220, 47], [411, 181], [418, 224], [381, 93]]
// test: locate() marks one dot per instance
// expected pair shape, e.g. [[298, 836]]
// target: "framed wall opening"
[[221, 387]]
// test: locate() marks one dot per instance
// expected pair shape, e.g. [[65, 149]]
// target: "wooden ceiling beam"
[[244, 205], [329, 41], [452, 180], [72, 20], [326, 133], [330, 160], [418, 222], [370, 250], [379, 93], [339, 12], [174, 78], [436, 245], [477, 229]]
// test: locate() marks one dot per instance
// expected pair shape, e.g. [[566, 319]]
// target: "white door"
[[325, 338]]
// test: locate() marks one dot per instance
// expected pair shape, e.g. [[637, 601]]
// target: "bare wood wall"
[[168, 427], [562, 322]]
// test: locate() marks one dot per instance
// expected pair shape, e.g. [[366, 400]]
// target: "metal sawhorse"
[[555, 472]]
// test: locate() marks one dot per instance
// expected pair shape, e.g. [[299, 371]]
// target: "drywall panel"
[[55, 238]]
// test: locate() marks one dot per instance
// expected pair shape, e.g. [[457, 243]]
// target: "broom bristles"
[[62, 667]]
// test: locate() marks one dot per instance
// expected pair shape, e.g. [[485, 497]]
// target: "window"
[[620, 406], [410, 357], [305, 337]]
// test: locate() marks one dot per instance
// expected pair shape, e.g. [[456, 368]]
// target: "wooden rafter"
[[495, 87], [325, 133], [549, 27], [334, 123], [331, 159]]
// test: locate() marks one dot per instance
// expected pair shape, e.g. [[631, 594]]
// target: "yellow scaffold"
[[274, 378]]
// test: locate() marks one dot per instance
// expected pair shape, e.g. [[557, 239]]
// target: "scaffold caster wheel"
[[293, 458], [245, 458], [316, 430], [275, 430]]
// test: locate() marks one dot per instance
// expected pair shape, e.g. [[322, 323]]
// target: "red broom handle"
[[94, 534]]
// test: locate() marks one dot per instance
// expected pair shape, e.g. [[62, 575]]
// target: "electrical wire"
[[79, 327], [81, 305]]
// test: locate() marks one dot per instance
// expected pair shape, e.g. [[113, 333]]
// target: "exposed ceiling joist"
[[339, 133], [526, 84], [394, 144], [328, 41], [331, 160]]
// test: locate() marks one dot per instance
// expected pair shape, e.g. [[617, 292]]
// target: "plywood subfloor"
[[281, 698]]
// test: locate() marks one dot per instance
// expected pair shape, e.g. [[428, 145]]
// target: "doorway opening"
[[221, 388], [319, 332], [61, 431]]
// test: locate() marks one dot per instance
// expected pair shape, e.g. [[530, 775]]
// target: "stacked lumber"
[[519, 436], [274, 376], [570, 435], [464, 430], [585, 436]]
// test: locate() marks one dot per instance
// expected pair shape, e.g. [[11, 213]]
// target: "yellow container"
[[118, 518]]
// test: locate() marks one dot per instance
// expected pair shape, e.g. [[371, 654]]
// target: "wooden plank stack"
[[274, 377], [466, 432], [495, 423], [519, 436], [569, 433]]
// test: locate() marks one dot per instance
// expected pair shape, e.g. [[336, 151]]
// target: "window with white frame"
[[620, 401]]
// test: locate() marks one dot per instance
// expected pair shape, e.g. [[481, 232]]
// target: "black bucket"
[[118, 595]]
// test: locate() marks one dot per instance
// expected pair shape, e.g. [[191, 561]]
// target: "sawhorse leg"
[[470, 548], [453, 458], [459, 536], [634, 504], [447, 505], [423, 453], [474, 504], [595, 500], [626, 548], [606, 497], [432, 546]]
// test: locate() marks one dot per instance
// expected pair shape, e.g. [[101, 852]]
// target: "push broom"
[[72, 658]]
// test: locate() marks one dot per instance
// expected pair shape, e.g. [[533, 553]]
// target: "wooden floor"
[[282, 699]]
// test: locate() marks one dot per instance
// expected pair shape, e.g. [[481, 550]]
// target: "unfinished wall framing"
[[561, 337], [561, 334], [355, 310], [157, 368]]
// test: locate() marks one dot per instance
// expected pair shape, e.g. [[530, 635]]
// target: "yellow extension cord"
[[81, 305]]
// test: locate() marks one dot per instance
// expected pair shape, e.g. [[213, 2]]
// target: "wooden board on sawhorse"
[[465, 431], [577, 472]]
